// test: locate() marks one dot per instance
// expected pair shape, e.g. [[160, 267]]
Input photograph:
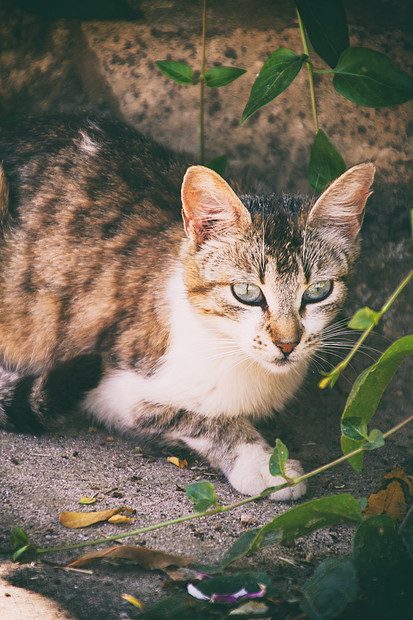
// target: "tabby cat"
[[179, 333]]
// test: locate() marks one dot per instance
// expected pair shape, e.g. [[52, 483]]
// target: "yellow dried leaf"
[[134, 601], [119, 519], [84, 519], [87, 500], [178, 462], [392, 497], [150, 559]]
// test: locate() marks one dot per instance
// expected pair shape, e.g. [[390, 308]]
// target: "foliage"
[[361, 75]]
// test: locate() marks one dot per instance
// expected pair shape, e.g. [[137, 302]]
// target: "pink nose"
[[286, 347]]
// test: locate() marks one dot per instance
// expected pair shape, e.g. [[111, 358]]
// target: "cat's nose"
[[286, 347]]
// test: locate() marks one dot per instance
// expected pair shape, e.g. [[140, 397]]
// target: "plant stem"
[[310, 72], [221, 509], [202, 84], [342, 365]]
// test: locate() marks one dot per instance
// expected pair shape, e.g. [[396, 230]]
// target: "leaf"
[[332, 587], [326, 25], [326, 163], [383, 565], [364, 318], [374, 440], [393, 496], [120, 519], [367, 391], [25, 549], [84, 519], [296, 522], [132, 600], [406, 531], [279, 458], [354, 428], [150, 559], [218, 164], [370, 79], [18, 538], [87, 500], [221, 76], [178, 71], [202, 494], [178, 462], [277, 73]]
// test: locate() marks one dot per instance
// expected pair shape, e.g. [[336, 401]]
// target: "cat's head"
[[269, 273]]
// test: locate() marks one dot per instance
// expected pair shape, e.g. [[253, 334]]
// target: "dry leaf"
[[134, 601], [120, 519], [87, 500], [178, 462], [83, 519], [393, 496], [146, 558]]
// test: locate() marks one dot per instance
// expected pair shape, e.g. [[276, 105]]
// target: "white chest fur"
[[202, 371]]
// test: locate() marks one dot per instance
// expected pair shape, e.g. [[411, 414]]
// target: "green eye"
[[317, 291], [249, 294]]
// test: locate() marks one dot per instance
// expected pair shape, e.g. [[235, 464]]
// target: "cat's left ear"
[[340, 208], [210, 208]]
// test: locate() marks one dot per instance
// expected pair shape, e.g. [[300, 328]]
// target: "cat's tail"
[[32, 404]]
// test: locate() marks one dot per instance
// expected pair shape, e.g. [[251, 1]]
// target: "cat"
[[153, 297]]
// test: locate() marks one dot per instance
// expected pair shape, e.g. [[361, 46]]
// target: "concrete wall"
[[108, 67]]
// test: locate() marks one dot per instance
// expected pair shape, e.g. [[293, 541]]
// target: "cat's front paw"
[[250, 474]]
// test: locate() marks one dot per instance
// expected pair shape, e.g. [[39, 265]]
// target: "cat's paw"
[[250, 474]]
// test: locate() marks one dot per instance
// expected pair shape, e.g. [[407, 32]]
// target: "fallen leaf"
[[178, 462], [150, 559], [84, 519], [119, 519], [392, 497], [87, 500], [134, 601]]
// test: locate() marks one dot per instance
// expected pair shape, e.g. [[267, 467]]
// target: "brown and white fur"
[[182, 332]]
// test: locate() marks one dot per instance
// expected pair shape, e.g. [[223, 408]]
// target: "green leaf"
[[332, 587], [406, 531], [279, 458], [277, 73], [367, 391], [383, 565], [202, 494], [218, 164], [326, 25], [354, 428], [364, 318], [370, 79], [18, 538], [221, 76], [17, 554], [326, 163], [296, 522], [178, 71], [374, 440]]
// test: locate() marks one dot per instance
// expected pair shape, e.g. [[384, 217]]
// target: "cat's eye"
[[317, 291], [249, 294]]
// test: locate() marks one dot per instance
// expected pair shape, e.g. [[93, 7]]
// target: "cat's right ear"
[[210, 208]]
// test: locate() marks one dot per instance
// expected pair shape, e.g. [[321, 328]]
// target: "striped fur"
[[114, 303]]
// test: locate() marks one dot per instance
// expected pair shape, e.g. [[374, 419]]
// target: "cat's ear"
[[210, 208], [340, 208]]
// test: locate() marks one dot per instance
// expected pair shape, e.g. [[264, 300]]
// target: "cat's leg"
[[236, 447], [232, 445], [32, 404]]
